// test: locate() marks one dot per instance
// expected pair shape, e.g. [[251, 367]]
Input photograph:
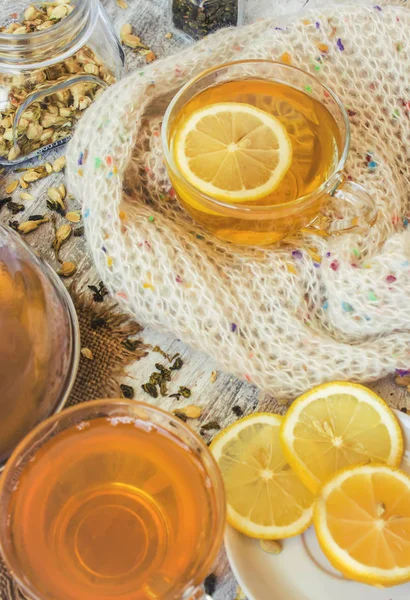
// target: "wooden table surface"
[[216, 394]]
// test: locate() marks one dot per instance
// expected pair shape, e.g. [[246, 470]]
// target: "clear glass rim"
[[11, 44], [74, 358], [247, 211], [87, 409]]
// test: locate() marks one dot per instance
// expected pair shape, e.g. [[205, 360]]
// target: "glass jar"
[[197, 18], [48, 77]]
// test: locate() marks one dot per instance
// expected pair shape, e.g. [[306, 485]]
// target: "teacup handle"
[[353, 194]]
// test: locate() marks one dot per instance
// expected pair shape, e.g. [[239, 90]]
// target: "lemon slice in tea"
[[233, 151]]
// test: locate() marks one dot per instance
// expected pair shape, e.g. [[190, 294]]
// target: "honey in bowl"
[[37, 359]]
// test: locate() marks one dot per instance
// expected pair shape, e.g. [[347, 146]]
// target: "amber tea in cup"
[[255, 148], [111, 500]]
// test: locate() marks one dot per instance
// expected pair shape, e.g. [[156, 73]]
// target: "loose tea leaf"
[[210, 425], [14, 207], [184, 391], [150, 389], [198, 18], [237, 410], [210, 584], [163, 388], [78, 232], [98, 292], [127, 391], [131, 345], [181, 416], [177, 364], [4, 201], [98, 322]]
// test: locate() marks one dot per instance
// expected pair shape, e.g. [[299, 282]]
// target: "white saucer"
[[301, 571]]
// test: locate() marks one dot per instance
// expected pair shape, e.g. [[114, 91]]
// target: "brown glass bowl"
[[39, 341]]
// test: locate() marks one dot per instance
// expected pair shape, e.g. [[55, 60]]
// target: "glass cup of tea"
[[111, 500], [255, 151]]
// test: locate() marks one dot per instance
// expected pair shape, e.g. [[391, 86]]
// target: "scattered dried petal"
[[271, 546], [26, 196], [191, 411], [59, 164], [214, 376], [150, 56], [67, 269], [28, 226], [74, 216], [62, 235], [86, 352], [122, 4], [12, 186]]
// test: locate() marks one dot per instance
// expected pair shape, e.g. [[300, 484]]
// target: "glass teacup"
[[111, 499], [308, 111]]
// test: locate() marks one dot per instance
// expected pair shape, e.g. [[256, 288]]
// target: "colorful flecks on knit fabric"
[[403, 372], [234, 327], [151, 218], [372, 297], [391, 279], [323, 48], [340, 44], [86, 213], [347, 307], [286, 58]]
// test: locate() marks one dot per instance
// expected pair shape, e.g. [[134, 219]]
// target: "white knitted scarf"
[[288, 316]]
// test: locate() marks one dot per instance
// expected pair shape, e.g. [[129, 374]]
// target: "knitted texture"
[[292, 315]]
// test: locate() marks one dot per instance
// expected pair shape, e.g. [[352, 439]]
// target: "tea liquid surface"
[[111, 509], [315, 137]]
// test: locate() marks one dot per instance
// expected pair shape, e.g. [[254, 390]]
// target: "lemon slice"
[[233, 151], [265, 498], [336, 425], [362, 521]]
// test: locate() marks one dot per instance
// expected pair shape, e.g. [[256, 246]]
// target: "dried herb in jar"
[[52, 119], [198, 18]]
